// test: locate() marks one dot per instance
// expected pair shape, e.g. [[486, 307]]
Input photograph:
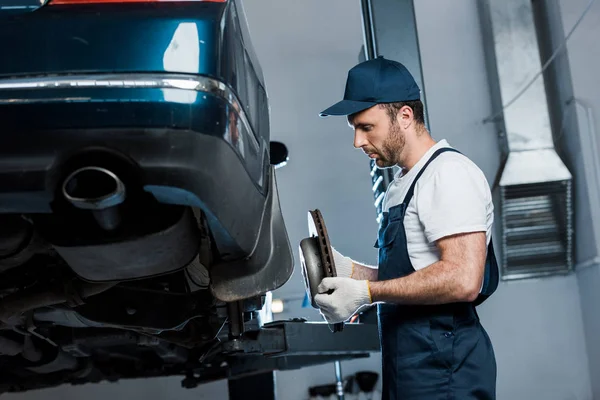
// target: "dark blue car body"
[[171, 98], [175, 87]]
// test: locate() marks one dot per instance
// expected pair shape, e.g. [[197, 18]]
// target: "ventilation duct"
[[534, 183]]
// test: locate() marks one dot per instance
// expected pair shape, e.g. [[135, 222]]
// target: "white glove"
[[343, 265], [348, 296]]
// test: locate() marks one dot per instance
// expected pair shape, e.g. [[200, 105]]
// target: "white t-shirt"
[[451, 196]]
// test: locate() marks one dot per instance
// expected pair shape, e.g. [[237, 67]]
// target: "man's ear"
[[405, 117]]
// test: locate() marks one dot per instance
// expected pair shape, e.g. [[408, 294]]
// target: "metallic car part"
[[60, 362], [84, 345], [194, 83], [64, 316], [312, 267], [317, 258], [316, 228], [161, 251], [13, 305], [30, 351], [52, 359], [10, 347], [281, 345], [19, 241], [26, 349], [15, 235], [93, 188], [96, 189], [235, 316], [535, 185], [197, 275], [139, 308], [170, 353]]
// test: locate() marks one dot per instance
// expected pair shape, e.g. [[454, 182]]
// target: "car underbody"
[[140, 228], [58, 328]]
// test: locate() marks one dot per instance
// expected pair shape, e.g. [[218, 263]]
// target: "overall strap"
[[411, 190]]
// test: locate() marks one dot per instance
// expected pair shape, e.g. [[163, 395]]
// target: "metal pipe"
[[30, 351], [18, 303], [10, 347], [236, 319], [27, 349], [62, 362], [99, 190], [339, 382], [368, 36]]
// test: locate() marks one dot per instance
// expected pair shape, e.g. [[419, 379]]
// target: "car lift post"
[[250, 386], [389, 28], [291, 345], [339, 380]]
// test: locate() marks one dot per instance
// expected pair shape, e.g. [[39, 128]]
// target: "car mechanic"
[[436, 260]]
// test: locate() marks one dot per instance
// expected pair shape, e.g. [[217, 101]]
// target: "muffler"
[[98, 190]]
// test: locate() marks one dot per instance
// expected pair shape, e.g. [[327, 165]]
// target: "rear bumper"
[[182, 134], [184, 142]]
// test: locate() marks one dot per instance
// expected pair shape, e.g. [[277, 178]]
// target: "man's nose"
[[359, 139]]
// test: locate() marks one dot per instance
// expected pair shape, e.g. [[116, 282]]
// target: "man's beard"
[[391, 148]]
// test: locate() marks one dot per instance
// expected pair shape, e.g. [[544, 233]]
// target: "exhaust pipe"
[[98, 190]]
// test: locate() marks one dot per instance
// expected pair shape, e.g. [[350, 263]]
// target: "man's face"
[[378, 137]]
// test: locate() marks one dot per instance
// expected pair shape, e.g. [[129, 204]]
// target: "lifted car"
[[140, 228]]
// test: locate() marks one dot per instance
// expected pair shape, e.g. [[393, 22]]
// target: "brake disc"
[[316, 258], [316, 228], [312, 270]]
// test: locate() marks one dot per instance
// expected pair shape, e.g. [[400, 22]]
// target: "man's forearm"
[[363, 272], [439, 283]]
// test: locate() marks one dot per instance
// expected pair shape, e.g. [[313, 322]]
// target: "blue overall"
[[431, 352]]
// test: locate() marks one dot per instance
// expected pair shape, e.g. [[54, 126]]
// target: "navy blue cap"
[[374, 82]]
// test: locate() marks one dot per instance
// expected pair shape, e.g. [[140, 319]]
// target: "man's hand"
[[347, 297]]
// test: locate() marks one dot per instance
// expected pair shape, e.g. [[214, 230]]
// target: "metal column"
[[390, 30], [258, 386]]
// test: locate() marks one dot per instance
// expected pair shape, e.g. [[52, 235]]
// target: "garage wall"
[[584, 63], [306, 51], [535, 325]]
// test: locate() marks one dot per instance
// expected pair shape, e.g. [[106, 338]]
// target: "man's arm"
[[363, 272], [456, 277]]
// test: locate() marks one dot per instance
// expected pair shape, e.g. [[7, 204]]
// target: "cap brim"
[[347, 107]]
